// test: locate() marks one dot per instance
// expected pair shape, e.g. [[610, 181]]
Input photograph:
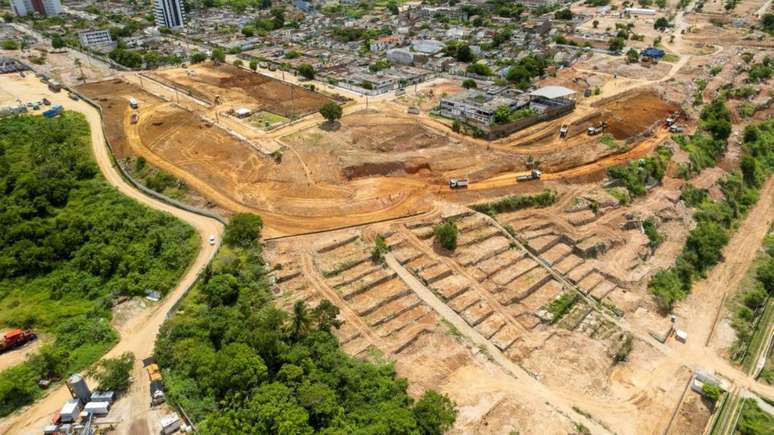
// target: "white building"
[[535, 4], [95, 38], [640, 11], [169, 13]]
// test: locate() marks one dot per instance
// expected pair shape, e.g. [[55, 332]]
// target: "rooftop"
[[552, 92]]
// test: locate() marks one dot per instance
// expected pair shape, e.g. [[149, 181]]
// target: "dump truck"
[[54, 111], [593, 131], [674, 128], [458, 183], [563, 130], [156, 385], [534, 174], [15, 338], [133, 102]]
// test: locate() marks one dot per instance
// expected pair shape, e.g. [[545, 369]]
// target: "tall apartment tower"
[[46, 8], [169, 13]]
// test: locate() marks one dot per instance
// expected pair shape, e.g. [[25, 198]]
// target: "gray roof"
[[552, 92]]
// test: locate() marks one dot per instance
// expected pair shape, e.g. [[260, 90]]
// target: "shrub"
[[712, 392], [446, 235], [331, 111], [380, 248], [243, 230], [113, 374], [516, 202]]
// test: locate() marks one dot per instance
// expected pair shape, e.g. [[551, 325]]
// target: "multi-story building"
[[535, 4], [95, 38], [169, 13], [47, 8]]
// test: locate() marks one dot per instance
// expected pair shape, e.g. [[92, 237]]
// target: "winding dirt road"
[[137, 335]]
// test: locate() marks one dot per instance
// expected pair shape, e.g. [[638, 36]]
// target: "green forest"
[[239, 365], [70, 244], [715, 220]]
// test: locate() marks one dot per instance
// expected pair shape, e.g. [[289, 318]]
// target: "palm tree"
[[301, 323]]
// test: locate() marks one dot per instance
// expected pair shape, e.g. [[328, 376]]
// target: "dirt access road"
[[137, 335]]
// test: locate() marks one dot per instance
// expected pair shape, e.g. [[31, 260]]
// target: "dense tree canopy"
[[238, 365], [243, 230], [69, 244]]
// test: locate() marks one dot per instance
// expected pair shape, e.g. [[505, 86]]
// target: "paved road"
[[138, 335]]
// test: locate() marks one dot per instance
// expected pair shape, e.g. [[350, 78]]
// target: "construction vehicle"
[[534, 174], [16, 338], [135, 118], [156, 385], [54, 86], [46, 102], [671, 119], [132, 102], [674, 128], [595, 130], [458, 183], [563, 131], [53, 112]]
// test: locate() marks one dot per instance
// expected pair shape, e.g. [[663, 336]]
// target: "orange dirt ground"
[[373, 165], [237, 177], [238, 87]]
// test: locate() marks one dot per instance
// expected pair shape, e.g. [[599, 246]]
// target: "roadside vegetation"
[[69, 245], [236, 363], [516, 202], [752, 308], [707, 146], [716, 219], [156, 179], [753, 420]]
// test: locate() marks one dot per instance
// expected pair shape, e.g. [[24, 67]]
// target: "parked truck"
[[16, 338], [133, 102], [534, 174], [458, 183], [54, 86], [593, 131], [156, 385], [53, 112], [563, 131]]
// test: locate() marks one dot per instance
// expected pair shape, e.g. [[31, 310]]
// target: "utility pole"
[[141, 86]]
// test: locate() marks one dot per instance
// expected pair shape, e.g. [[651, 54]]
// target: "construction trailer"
[[70, 411], [97, 408]]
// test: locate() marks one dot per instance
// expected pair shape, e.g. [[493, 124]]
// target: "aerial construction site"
[[541, 316]]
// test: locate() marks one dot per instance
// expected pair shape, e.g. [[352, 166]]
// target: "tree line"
[[716, 219], [239, 365], [70, 244]]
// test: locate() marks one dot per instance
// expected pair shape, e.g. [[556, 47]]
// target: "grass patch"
[[516, 202], [266, 120], [670, 57], [562, 305]]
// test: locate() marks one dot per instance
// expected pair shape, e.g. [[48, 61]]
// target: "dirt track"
[[136, 335]]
